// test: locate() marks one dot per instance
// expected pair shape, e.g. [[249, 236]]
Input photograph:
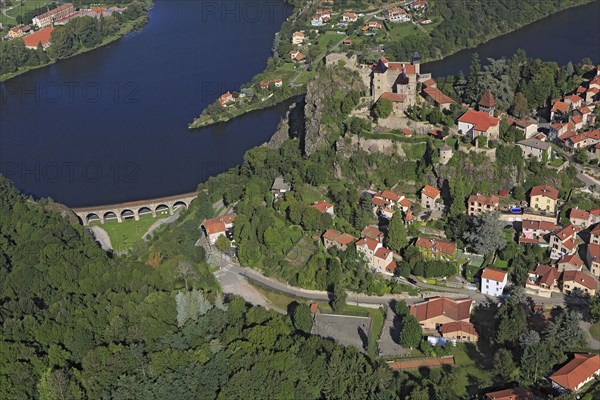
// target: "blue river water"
[[111, 125]]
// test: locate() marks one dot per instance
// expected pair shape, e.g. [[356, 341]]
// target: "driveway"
[[233, 283]]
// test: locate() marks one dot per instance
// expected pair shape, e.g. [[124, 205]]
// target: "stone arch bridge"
[[134, 209]]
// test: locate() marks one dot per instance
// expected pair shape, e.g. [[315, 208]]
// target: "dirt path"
[[101, 237], [158, 223]]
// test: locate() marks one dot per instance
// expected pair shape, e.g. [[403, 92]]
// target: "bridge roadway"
[[134, 209]]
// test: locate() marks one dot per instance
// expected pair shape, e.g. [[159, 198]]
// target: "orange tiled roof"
[[487, 100], [494, 274], [581, 278], [430, 192], [322, 206], [437, 245], [458, 326], [480, 119], [545, 190], [576, 213], [577, 371], [485, 200], [518, 393], [455, 309]]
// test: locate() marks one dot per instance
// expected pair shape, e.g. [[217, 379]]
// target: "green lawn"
[[25, 6], [557, 162], [595, 330], [123, 235]]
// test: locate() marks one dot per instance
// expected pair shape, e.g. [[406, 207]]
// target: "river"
[[111, 125]]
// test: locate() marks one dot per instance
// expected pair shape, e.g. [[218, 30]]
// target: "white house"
[[493, 281]]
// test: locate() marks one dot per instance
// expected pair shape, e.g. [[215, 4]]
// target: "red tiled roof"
[[576, 213], [370, 243], [322, 206], [566, 232], [485, 200], [547, 274], [371, 232], [394, 97], [577, 371], [331, 234], [314, 307], [380, 202], [388, 194], [487, 100], [458, 326], [579, 277], [391, 267], [480, 119], [596, 230], [518, 393], [438, 96], [382, 253], [437, 245], [545, 190], [593, 250], [42, 36], [429, 83], [573, 260], [455, 309], [430, 192], [560, 106], [539, 225], [573, 98], [214, 227], [494, 274]]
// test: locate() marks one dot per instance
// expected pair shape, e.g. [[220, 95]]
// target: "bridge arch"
[[109, 215], [146, 210], [162, 208], [127, 214], [92, 217], [179, 204]]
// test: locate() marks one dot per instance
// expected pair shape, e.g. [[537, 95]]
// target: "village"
[[544, 221]]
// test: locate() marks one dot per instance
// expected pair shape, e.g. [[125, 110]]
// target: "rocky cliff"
[[323, 98]]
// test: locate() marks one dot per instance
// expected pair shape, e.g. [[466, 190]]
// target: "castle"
[[397, 81]]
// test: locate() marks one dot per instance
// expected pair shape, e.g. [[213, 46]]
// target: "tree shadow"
[[364, 338], [395, 329]]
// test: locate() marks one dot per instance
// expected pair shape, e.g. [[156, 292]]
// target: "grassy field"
[[124, 235], [25, 6]]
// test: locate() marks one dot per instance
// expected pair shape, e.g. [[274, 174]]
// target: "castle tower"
[[416, 61], [487, 103]]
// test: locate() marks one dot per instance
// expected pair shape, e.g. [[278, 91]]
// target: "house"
[[42, 36], [298, 38], [595, 235], [535, 148], [437, 98], [570, 263], [296, 56], [383, 207], [436, 249], [349, 17], [372, 232], [396, 15], [437, 311], [543, 198], [592, 258], [487, 103], [576, 373], [579, 217], [479, 123], [332, 238], [559, 110], [419, 5], [460, 330], [518, 393], [542, 281], [18, 31], [493, 282], [377, 256], [430, 197], [478, 204], [323, 207], [226, 99], [219, 226], [575, 280], [372, 25], [563, 242], [62, 12], [528, 127], [279, 187]]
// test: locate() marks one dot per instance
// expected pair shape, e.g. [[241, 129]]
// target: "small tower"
[[487, 103], [445, 154], [416, 61]]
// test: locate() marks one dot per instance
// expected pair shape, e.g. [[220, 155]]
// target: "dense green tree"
[[410, 332], [396, 236], [383, 109]]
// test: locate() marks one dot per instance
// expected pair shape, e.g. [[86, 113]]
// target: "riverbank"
[[126, 28], [217, 113]]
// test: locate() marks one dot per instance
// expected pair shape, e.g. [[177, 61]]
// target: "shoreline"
[[129, 27], [194, 125]]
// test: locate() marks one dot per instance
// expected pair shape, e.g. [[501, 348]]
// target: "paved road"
[[158, 223]]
